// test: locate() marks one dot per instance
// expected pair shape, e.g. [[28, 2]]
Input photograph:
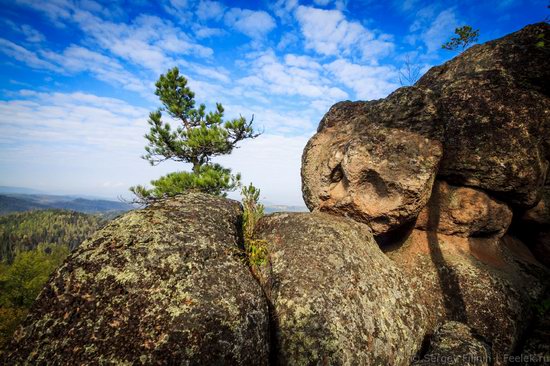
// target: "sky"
[[77, 77]]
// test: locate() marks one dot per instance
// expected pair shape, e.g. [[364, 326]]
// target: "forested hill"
[[25, 202], [25, 231]]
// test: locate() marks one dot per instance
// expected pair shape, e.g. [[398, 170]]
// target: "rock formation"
[[495, 101], [464, 211], [163, 285], [456, 344], [374, 161], [489, 284], [480, 120], [448, 175], [336, 298]]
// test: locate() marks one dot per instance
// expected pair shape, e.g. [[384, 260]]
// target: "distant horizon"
[[77, 77], [35, 191]]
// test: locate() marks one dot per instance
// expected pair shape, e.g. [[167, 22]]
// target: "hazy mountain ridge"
[[18, 202]]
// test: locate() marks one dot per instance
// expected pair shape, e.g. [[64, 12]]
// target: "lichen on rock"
[[455, 344], [162, 285], [336, 299]]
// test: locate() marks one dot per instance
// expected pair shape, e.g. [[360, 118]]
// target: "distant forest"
[[24, 231], [32, 245]]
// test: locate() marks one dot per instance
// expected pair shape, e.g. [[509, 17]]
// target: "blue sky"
[[77, 77]]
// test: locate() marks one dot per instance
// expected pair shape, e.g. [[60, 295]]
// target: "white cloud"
[[305, 62], [73, 142], [298, 75], [207, 32], [338, 4], [272, 163], [54, 10], [406, 5], [83, 138], [75, 59], [440, 30], [288, 39], [31, 34], [148, 41], [177, 8], [368, 82], [255, 24], [329, 33], [86, 120], [284, 8], [432, 27], [207, 10], [25, 56]]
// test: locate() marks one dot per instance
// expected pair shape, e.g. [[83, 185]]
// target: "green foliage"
[[466, 36], [212, 179], [198, 137], [22, 281], [256, 249], [541, 41], [21, 232]]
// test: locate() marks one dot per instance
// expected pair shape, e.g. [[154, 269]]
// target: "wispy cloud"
[[329, 33], [207, 10], [296, 75], [433, 27], [25, 56], [255, 24], [439, 30], [368, 82], [30, 33]]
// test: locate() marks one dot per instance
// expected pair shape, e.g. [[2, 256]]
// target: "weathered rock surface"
[[336, 298], [536, 347], [495, 101], [480, 120], [163, 285], [464, 211], [489, 284], [540, 214], [455, 343], [374, 161], [533, 226]]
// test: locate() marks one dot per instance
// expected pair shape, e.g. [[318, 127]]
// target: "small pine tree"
[[466, 36], [198, 137], [253, 211]]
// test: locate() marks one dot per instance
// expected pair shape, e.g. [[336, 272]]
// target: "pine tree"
[[198, 137], [466, 36]]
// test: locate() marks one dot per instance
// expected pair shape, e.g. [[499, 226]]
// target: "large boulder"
[[374, 161], [464, 211], [495, 101], [163, 285], [480, 120], [336, 299], [489, 283]]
